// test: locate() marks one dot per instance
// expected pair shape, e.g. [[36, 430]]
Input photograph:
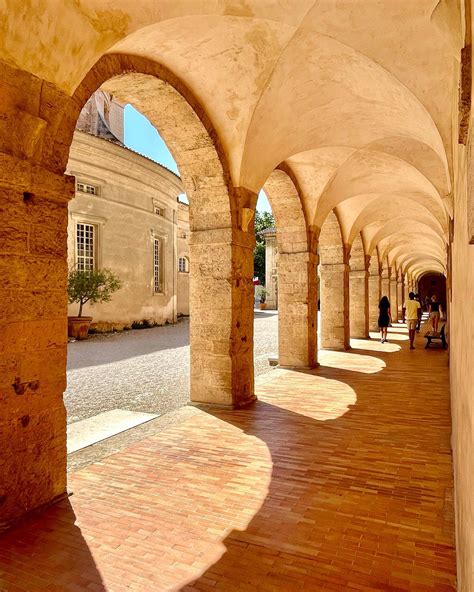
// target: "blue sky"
[[142, 137]]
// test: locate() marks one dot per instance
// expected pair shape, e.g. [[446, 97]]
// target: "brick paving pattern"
[[144, 370], [337, 479]]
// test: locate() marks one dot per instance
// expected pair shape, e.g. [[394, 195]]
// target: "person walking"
[[418, 324], [385, 318], [435, 309], [413, 308]]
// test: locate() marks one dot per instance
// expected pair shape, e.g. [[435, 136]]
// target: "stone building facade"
[[126, 217]]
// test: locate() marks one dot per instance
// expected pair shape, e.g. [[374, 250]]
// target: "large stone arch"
[[334, 285], [221, 239], [297, 277], [36, 194], [358, 290]]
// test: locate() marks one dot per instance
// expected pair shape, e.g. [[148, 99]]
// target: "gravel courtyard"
[[144, 370]]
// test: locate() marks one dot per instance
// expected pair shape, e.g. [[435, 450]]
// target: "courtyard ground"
[[338, 478], [145, 370]]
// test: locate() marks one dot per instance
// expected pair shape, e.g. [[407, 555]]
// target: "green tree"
[[92, 286], [263, 220]]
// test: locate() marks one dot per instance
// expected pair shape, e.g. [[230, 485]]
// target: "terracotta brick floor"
[[337, 479]]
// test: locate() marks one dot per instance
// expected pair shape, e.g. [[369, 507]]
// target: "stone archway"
[[221, 240], [297, 277], [36, 194], [334, 285]]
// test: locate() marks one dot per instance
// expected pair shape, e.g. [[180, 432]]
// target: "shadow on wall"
[[48, 553]]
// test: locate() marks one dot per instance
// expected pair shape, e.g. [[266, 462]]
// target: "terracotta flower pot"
[[262, 305], [78, 327]]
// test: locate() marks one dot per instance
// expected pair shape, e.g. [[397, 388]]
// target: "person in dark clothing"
[[384, 318], [435, 310]]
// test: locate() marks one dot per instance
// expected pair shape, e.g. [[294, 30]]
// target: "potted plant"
[[96, 285], [262, 294]]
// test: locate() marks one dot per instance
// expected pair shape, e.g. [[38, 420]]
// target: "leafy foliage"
[[93, 286], [262, 293], [263, 220]]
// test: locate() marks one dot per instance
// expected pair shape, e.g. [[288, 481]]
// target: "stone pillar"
[[400, 299], [385, 284], [221, 322], [393, 299], [33, 336], [359, 303], [334, 285], [374, 299], [271, 276], [298, 309]]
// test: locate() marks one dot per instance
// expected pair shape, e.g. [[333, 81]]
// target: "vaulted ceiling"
[[355, 99]]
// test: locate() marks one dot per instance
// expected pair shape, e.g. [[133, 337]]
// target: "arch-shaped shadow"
[[360, 468]]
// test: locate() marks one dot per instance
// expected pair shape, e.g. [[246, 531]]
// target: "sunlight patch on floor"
[[353, 361], [326, 398]]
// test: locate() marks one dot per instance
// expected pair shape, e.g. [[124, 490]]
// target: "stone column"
[[298, 309], [334, 285], [400, 299], [33, 336], [385, 284], [271, 277], [221, 322], [374, 299], [394, 299], [359, 303]]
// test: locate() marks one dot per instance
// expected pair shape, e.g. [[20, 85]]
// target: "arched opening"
[[296, 273], [266, 286], [221, 247], [334, 286], [429, 285], [221, 333]]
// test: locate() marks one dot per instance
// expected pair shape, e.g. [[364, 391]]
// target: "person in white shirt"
[[413, 316]]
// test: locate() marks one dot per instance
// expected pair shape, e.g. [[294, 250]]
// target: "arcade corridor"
[[339, 478]]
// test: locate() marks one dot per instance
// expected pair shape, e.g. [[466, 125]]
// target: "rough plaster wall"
[[462, 381], [123, 213]]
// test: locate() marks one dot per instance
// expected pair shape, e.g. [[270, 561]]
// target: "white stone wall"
[[130, 188]]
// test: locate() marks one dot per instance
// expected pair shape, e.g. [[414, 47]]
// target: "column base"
[[8, 524], [340, 349], [223, 406], [290, 367]]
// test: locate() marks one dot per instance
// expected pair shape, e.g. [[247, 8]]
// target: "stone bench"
[[431, 336]]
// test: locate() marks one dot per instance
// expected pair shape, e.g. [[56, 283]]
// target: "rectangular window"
[[159, 211], [85, 246], [156, 265], [86, 188]]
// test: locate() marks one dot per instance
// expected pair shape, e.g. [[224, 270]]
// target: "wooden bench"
[[432, 336]]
